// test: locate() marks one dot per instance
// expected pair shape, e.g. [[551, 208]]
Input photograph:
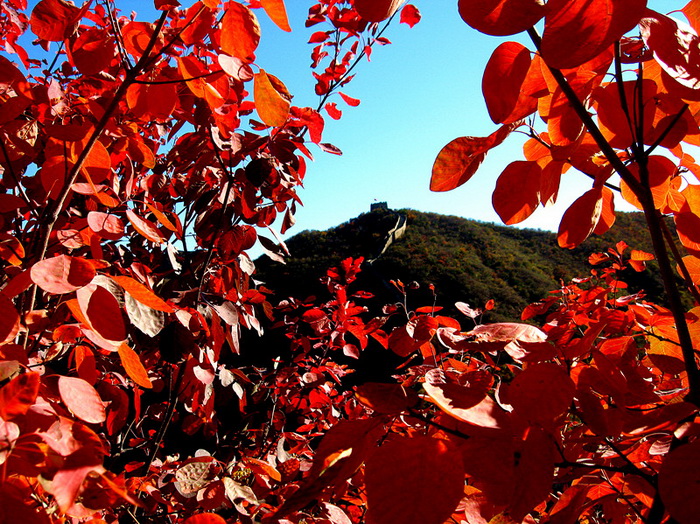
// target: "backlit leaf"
[[578, 30], [82, 399], [277, 12], [62, 274], [54, 20], [205, 518], [580, 219], [410, 15], [676, 47], [413, 480], [458, 161], [541, 393], [133, 366], [517, 192], [376, 10], [386, 398], [19, 394], [240, 31], [502, 83], [272, 107], [501, 17]]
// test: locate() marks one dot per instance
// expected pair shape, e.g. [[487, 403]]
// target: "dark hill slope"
[[465, 260]]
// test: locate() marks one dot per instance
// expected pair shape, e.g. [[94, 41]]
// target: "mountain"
[[465, 260]]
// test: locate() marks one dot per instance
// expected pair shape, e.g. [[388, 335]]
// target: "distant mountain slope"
[[465, 260]]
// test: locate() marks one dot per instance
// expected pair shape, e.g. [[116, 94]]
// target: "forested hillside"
[[465, 260]]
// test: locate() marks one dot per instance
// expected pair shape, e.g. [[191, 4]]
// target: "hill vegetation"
[[465, 260]]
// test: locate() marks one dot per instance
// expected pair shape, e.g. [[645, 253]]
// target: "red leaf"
[[376, 10], [102, 311], [501, 17], [676, 47], [205, 518], [19, 394], [62, 274], [333, 111], [107, 226], [386, 398], [82, 399], [133, 366], [418, 480], [458, 161], [277, 12], [541, 393], [141, 293], [354, 102], [678, 482], [54, 20], [575, 31], [330, 148], [469, 404], [580, 219], [503, 84], [272, 107], [517, 192], [240, 32], [410, 15]]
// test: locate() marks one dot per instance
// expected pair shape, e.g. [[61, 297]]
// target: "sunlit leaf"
[[62, 274], [503, 84], [18, 395], [9, 319], [575, 31], [458, 161], [676, 47], [102, 311], [144, 227], [410, 15], [82, 399], [272, 107], [240, 32], [277, 12], [141, 293]]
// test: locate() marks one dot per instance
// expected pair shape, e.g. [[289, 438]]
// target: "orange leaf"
[[580, 219], [660, 170], [82, 399], [240, 32], [414, 480], [133, 366], [376, 10], [458, 161], [142, 294], [277, 12], [272, 107], [575, 31], [62, 274], [144, 227], [517, 192], [501, 17]]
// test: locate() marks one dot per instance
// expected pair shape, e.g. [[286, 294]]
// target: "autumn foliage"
[[141, 160]]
